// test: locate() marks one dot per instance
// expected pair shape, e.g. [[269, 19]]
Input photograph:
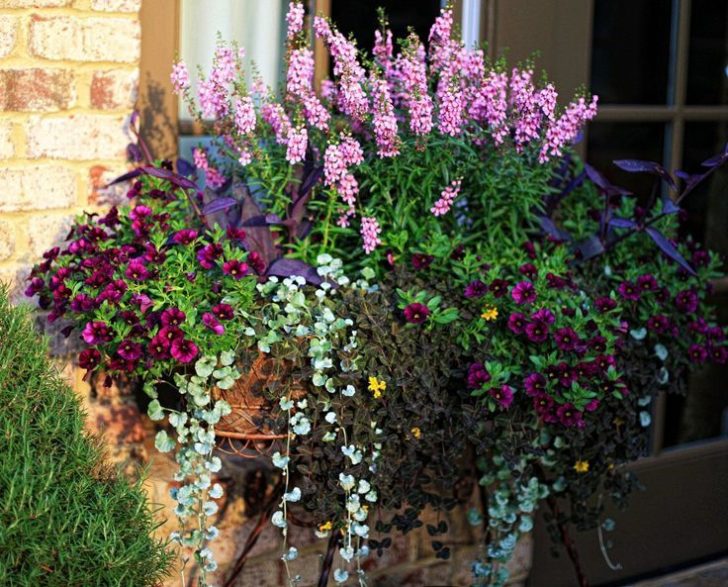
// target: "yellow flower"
[[416, 432], [490, 313], [325, 527], [581, 466], [377, 386]]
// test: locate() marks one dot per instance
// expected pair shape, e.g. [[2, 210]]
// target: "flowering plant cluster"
[[515, 316]]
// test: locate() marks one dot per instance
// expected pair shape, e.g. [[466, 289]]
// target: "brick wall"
[[68, 81]]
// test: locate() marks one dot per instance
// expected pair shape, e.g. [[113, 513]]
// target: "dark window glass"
[[360, 18], [626, 140], [631, 51], [708, 57]]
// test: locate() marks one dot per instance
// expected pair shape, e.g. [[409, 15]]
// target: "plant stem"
[[568, 542], [329, 558]]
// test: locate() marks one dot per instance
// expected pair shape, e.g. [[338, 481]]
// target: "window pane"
[[626, 140], [708, 60], [631, 51], [360, 18], [257, 26]]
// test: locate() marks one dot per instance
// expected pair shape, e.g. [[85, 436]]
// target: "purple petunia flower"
[[603, 362], [158, 347], [566, 339], [543, 315], [36, 284], [700, 258], [719, 354], [173, 317], [143, 301], [223, 311], [235, 268], [421, 261], [544, 406], [537, 331], [129, 350], [89, 359], [416, 313], [686, 301], [83, 303], [475, 289], [185, 236], [569, 416], [517, 323], [183, 350], [498, 287], [208, 254], [529, 270], [647, 283], [137, 270], [561, 373], [477, 375], [235, 234], [658, 323], [598, 343], [503, 395], [697, 353], [209, 320], [96, 332], [629, 291], [556, 282], [171, 333], [139, 212], [256, 262], [534, 384], [524, 293]]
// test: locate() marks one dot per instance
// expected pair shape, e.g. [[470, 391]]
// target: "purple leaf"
[[127, 176], [290, 267], [669, 249], [622, 222], [259, 238], [170, 176], [590, 247], [603, 183], [669, 207], [550, 228], [640, 166], [714, 161], [184, 167], [311, 180], [134, 153], [263, 220], [218, 205]]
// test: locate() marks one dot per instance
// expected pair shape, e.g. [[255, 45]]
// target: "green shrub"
[[66, 518]]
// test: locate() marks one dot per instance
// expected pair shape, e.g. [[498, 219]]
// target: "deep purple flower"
[[158, 347], [36, 284], [209, 320], [113, 292], [592, 405], [223, 311], [543, 315], [629, 291], [598, 343], [235, 234], [517, 322], [137, 270], [537, 331], [658, 323], [416, 313], [697, 353], [534, 384], [524, 293], [498, 287], [647, 283], [256, 262], [529, 270], [566, 339], [183, 350], [555, 282], [173, 317], [96, 332], [235, 268], [121, 365], [686, 301], [421, 261], [139, 212], [477, 375], [154, 255], [89, 359], [171, 333], [603, 362], [185, 236], [208, 254], [503, 395], [544, 406], [570, 416], [475, 289], [143, 301], [129, 350], [719, 354], [83, 303], [700, 258], [128, 317], [530, 249], [561, 373], [715, 333]]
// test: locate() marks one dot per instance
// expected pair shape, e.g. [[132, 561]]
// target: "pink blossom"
[[441, 44], [276, 117], [180, 77], [490, 105], [451, 106], [564, 130], [212, 99], [383, 50], [244, 115], [351, 151], [297, 143], [294, 19], [385, 123], [300, 72], [447, 197], [370, 231], [412, 73], [224, 65]]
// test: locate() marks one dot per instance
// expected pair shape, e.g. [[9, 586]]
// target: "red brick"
[[113, 90], [37, 90]]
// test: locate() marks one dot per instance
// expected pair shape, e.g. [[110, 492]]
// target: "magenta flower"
[[235, 234], [528, 270], [592, 405], [143, 301], [173, 317], [534, 384], [475, 289], [158, 347], [129, 350], [537, 331], [89, 359], [543, 315], [604, 304], [503, 395], [556, 282], [524, 293], [498, 287], [83, 303], [256, 262], [421, 261], [647, 283], [477, 375], [183, 350], [697, 353], [36, 284], [223, 311], [569, 416], [137, 270], [212, 323], [719, 354], [517, 323], [686, 301], [629, 291], [170, 333], [603, 362], [544, 406], [208, 254], [416, 313], [566, 339], [96, 332], [658, 323], [185, 236], [140, 212], [236, 269], [598, 343]]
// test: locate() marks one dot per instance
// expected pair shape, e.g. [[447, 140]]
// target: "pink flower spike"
[[370, 231], [447, 197]]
